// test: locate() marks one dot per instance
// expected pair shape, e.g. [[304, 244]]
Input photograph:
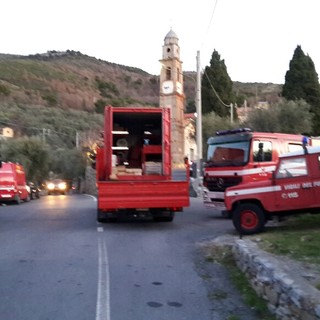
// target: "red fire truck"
[[239, 156], [13, 186], [293, 188], [133, 168]]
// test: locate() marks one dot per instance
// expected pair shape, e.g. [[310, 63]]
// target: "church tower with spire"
[[172, 95]]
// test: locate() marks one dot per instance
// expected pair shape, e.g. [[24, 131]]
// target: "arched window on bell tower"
[[168, 73]]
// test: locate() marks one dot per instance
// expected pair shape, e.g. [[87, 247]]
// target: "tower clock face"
[[167, 87]]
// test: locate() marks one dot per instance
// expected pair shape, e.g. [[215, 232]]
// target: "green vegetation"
[[297, 238], [216, 90], [302, 82], [285, 116], [30, 152], [49, 139], [107, 89], [51, 99], [4, 90]]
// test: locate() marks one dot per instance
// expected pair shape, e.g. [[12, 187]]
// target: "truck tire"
[[249, 218], [163, 217], [17, 199]]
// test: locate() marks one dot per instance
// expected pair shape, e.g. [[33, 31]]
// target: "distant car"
[[57, 186], [34, 190]]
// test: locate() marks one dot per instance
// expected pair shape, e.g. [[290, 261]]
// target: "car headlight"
[[50, 186], [62, 186]]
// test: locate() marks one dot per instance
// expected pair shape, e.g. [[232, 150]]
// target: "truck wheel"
[[163, 217], [17, 199], [249, 218]]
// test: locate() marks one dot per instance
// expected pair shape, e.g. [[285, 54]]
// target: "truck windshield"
[[233, 153]]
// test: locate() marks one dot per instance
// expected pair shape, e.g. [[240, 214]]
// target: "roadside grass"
[[297, 237], [224, 256]]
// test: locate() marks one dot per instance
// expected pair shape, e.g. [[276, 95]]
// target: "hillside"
[[72, 80]]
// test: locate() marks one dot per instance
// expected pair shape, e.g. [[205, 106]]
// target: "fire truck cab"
[[240, 156], [13, 185], [293, 188]]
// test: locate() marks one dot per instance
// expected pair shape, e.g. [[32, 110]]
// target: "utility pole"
[[77, 139], [199, 120]]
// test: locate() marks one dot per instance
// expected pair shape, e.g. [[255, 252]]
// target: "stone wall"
[[287, 294], [90, 186]]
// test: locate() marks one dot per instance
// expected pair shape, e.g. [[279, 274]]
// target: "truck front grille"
[[221, 184]]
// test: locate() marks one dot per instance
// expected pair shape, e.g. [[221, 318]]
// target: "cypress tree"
[[301, 82], [216, 88]]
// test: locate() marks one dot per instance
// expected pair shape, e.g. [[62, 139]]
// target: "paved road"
[[57, 262]]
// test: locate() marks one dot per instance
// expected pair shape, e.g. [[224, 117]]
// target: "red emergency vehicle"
[[293, 188], [239, 156], [13, 185], [134, 174]]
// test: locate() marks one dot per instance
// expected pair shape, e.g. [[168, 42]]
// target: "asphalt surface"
[[57, 262]]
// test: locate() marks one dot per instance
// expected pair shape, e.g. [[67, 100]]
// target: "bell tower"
[[172, 95]]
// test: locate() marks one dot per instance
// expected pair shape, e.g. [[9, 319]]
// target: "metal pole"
[[77, 139], [199, 120]]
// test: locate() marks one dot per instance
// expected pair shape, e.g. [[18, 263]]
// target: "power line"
[[220, 100], [36, 128], [210, 23], [215, 92]]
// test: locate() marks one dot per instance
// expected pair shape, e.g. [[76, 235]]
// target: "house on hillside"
[[244, 111], [6, 133]]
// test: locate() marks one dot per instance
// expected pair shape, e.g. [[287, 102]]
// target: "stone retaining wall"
[[90, 185], [288, 295]]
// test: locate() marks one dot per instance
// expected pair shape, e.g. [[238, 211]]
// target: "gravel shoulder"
[[227, 301]]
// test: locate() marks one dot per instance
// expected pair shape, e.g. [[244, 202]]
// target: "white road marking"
[[100, 229], [103, 290], [91, 196]]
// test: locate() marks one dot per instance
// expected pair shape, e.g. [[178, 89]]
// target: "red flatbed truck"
[[140, 181]]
